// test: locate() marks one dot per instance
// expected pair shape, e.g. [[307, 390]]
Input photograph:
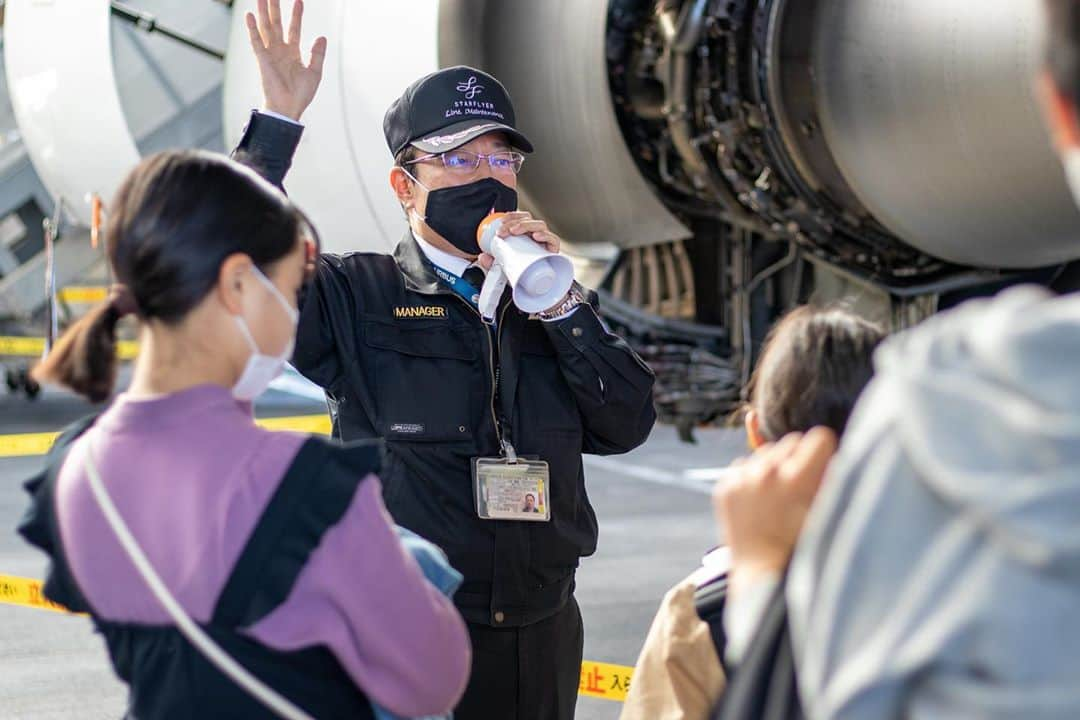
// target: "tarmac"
[[655, 524]]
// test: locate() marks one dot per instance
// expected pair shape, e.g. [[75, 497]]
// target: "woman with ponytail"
[[274, 547]]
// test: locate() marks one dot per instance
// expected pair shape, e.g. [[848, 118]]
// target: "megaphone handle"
[[494, 284]]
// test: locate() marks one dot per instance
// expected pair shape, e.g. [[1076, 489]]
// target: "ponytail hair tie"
[[122, 301]]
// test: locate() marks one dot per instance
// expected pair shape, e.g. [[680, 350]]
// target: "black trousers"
[[525, 673]]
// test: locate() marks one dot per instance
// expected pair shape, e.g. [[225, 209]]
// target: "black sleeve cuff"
[[578, 331], [268, 146]]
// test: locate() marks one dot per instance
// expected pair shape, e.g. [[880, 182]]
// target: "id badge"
[[507, 490]]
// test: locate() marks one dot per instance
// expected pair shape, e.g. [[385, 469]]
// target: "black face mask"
[[456, 212]]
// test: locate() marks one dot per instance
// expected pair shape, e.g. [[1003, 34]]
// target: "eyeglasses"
[[464, 162]]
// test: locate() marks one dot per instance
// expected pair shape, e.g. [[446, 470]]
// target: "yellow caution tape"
[[606, 681], [313, 424], [26, 445], [28, 593], [30, 444], [599, 680], [22, 346], [77, 295], [127, 349], [34, 347]]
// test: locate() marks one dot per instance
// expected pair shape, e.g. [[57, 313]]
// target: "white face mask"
[[261, 369], [1071, 160]]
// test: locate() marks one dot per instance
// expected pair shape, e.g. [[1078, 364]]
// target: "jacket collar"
[[419, 274], [442, 259]]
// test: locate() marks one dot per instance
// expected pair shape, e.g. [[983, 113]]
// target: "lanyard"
[[459, 285]]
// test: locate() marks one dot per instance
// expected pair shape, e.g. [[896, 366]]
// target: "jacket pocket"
[[423, 380]]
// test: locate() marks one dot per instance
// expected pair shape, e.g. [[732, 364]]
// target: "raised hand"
[[288, 84]]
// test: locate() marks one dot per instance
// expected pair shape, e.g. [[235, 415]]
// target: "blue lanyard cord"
[[465, 289], [459, 285]]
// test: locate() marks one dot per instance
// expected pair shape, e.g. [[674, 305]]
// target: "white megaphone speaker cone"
[[539, 279], [542, 284]]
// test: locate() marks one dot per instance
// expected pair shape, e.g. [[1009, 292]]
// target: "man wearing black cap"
[[401, 349]]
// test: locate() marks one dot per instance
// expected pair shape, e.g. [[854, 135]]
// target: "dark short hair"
[[407, 154], [172, 223], [1063, 45], [815, 363]]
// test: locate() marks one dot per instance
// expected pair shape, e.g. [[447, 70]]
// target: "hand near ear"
[[763, 505]]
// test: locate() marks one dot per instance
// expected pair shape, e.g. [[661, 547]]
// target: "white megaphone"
[[539, 279]]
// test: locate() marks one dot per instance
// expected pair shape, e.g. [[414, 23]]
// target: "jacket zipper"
[[491, 361]]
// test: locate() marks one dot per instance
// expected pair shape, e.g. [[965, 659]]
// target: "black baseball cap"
[[447, 109]]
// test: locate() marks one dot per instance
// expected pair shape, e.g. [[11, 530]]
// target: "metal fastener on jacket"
[[461, 428], [576, 332], [499, 617]]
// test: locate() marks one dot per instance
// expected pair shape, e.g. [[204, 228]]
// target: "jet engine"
[[710, 163]]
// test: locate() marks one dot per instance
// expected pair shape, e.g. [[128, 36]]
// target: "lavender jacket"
[[191, 474]]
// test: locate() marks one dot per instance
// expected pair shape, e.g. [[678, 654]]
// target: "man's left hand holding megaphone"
[[522, 251]]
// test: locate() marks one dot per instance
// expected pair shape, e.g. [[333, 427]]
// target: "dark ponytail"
[[84, 358], [172, 223]]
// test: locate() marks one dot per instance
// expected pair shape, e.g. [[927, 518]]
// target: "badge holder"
[[511, 487]]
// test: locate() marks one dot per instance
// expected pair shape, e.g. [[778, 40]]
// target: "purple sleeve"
[[363, 596]]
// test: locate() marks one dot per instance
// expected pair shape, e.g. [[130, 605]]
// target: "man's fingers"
[[318, 56], [526, 224], [277, 34], [485, 261], [262, 15], [296, 22], [526, 227], [515, 217], [257, 43], [550, 240]]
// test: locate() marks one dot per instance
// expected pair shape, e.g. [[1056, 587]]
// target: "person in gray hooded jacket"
[[937, 574]]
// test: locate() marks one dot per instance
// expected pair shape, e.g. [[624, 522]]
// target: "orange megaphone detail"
[[486, 224]]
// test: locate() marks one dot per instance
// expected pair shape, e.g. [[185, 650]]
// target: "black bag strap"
[[311, 498]]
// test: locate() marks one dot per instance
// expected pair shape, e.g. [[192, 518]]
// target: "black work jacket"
[[168, 677], [404, 358]]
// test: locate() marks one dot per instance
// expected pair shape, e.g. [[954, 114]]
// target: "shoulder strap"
[[312, 497], [765, 686]]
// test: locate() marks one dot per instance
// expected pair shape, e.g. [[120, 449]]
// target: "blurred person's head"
[[1059, 90], [210, 258], [814, 364]]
